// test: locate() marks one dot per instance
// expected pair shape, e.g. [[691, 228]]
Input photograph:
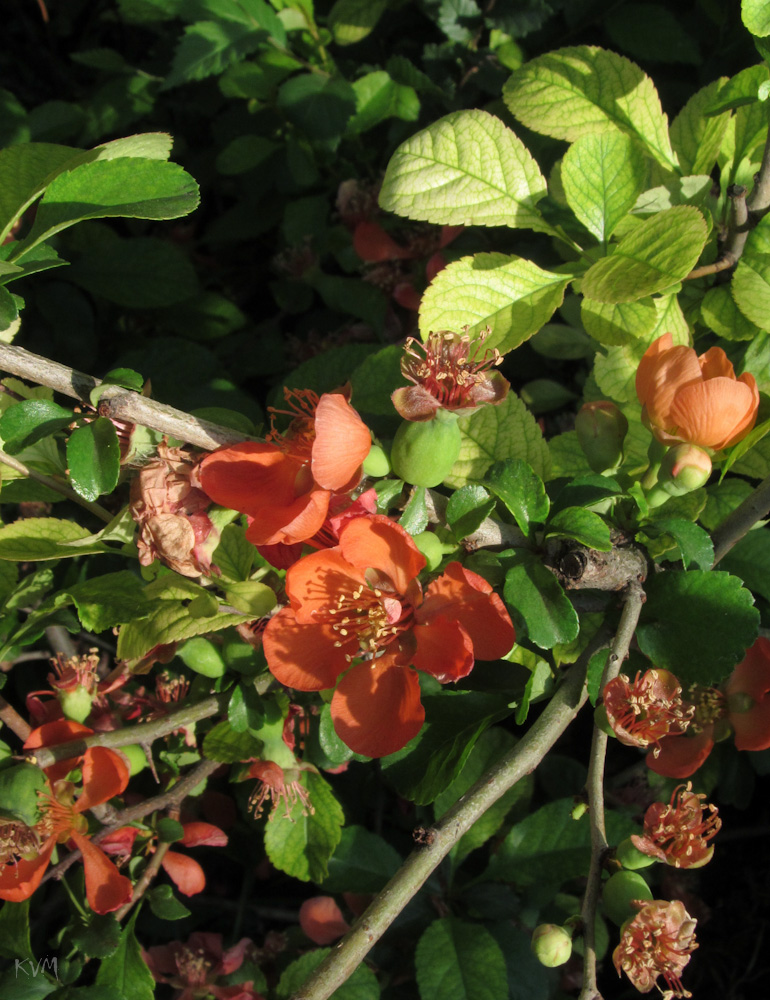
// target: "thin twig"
[[143, 733], [132, 814], [754, 508], [634, 599], [11, 718], [54, 484], [737, 233], [117, 403], [145, 880], [440, 839]]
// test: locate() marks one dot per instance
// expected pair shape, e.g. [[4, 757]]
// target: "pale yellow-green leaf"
[[621, 323], [720, 313], [511, 295], [251, 597], [695, 138], [756, 16], [170, 621], [495, 433], [745, 134], [657, 254], [602, 175], [350, 21], [33, 539], [575, 91], [751, 289], [567, 457], [465, 169]]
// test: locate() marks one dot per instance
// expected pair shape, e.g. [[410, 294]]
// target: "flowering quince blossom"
[[642, 712], [285, 484], [678, 833], [193, 967], [450, 372], [357, 612], [694, 399], [741, 705], [657, 942], [25, 858]]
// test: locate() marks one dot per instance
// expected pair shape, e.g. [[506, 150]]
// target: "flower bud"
[[631, 857], [601, 430], [430, 545], [620, 890], [552, 945], [376, 463], [424, 452], [684, 469]]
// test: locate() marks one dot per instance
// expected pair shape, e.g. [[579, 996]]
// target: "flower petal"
[[321, 920], [342, 442], [376, 708], [198, 833], [681, 756], [377, 543], [295, 522], [186, 874], [249, 476], [304, 657], [444, 649], [105, 773], [714, 414], [372, 244], [715, 364], [663, 370], [467, 597], [314, 583], [106, 888], [18, 881], [52, 733]]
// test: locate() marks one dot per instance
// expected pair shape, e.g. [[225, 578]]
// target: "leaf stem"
[[737, 233], [634, 599], [54, 484]]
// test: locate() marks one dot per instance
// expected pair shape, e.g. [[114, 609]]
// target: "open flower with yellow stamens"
[[643, 711], [657, 942], [358, 618], [679, 833]]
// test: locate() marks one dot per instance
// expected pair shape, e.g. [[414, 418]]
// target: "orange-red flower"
[[105, 774], [678, 833], [285, 484], [194, 967], [657, 942], [642, 712], [742, 705], [694, 399], [358, 610]]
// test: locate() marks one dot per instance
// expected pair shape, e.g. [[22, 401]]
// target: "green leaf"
[[374, 380], [321, 107], [648, 31], [537, 602], [415, 516], [169, 621], [361, 985], [14, 931], [749, 560], [245, 710], [549, 847], [125, 971], [234, 555], [350, 21], [208, 48], [467, 508], [42, 258], [751, 288], [454, 720], [618, 323], [26, 422], [512, 296], [165, 905], [129, 187], [378, 97], [694, 543], [521, 490], [578, 91], [362, 862], [301, 843], [756, 17], [456, 960], [603, 174], [465, 169], [19, 788], [697, 624], [99, 938], [494, 434], [697, 139], [138, 273], [9, 309], [488, 751], [109, 600], [251, 597], [36, 538], [583, 526], [657, 253], [169, 830], [594, 674], [720, 312], [93, 458], [226, 744]]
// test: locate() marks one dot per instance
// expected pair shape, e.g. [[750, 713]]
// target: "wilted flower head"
[[278, 785], [450, 371], [193, 967], [679, 833], [170, 512], [642, 712], [657, 942], [694, 399]]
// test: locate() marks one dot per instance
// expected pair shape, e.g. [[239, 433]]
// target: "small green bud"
[[376, 463], [137, 758], [552, 945], [631, 857], [601, 429], [579, 810], [203, 657], [423, 453], [75, 703], [684, 469], [619, 891], [431, 547]]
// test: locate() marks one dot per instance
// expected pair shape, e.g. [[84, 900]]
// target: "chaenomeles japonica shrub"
[[302, 650]]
